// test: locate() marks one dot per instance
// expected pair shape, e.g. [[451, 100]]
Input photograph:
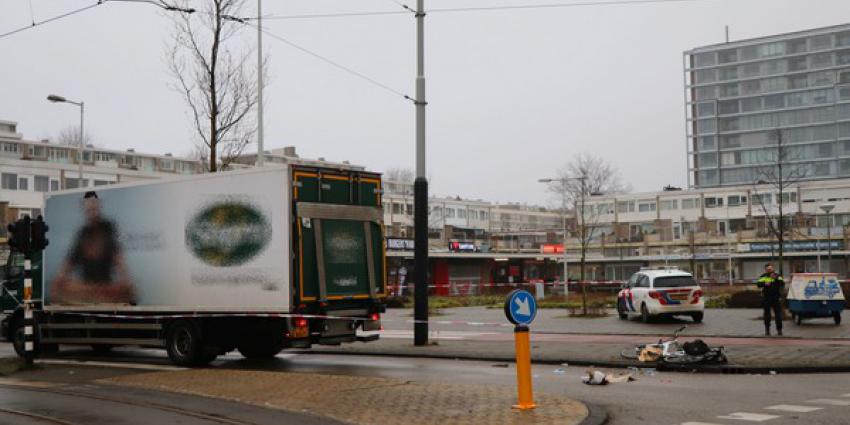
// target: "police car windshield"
[[674, 281]]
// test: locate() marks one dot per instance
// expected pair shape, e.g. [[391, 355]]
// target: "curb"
[[596, 415], [726, 369]]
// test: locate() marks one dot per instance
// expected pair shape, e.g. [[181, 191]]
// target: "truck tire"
[[18, 341], [184, 345], [260, 349]]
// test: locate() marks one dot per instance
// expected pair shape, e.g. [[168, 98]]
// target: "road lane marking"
[[793, 408], [699, 423], [749, 417], [830, 402]]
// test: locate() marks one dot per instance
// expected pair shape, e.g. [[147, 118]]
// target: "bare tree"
[[70, 136], [401, 175], [215, 78], [583, 176], [778, 176]]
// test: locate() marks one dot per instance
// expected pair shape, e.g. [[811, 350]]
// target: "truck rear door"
[[338, 235]]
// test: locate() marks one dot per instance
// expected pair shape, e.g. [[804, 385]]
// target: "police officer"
[[772, 288]]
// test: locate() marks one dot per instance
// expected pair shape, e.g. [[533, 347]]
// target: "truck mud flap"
[[368, 338], [337, 340]]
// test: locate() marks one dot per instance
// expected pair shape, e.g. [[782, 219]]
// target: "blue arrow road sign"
[[520, 307]]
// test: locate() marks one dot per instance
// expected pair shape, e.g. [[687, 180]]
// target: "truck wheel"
[[18, 342], [265, 349], [644, 314], [183, 344], [697, 317], [837, 317]]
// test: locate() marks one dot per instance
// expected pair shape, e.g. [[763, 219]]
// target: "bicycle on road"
[[671, 351]]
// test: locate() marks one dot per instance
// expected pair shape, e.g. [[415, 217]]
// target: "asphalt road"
[[660, 398], [717, 322]]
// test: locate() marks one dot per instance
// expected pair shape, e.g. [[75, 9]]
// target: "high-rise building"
[[753, 103]]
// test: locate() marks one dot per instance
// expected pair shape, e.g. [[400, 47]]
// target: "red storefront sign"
[[552, 249]]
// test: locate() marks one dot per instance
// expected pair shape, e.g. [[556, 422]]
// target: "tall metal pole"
[[420, 190], [260, 148], [566, 263], [828, 243], [82, 145]]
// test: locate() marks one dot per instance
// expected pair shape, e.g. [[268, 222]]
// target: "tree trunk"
[[583, 284]]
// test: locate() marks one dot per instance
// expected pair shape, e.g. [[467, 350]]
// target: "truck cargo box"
[[215, 242]]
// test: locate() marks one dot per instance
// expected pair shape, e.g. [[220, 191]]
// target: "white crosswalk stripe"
[[699, 423], [749, 417], [793, 408], [830, 402]]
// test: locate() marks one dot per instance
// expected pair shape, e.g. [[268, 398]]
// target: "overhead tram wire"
[[331, 62], [478, 9], [48, 20], [34, 24]]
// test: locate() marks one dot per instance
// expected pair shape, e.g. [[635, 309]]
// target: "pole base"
[[524, 406]]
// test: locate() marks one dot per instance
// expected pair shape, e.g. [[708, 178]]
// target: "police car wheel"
[[697, 317], [644, 314]]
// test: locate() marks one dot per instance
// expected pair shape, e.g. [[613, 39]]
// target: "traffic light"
[[19, 235], [38, 234]]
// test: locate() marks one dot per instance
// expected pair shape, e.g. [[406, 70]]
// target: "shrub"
[[749, 298]]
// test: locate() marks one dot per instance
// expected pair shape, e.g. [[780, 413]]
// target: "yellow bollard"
[[523, 368]]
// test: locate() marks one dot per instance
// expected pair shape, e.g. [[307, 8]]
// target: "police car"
[[661, 292]]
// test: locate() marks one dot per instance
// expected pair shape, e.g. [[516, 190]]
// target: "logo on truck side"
[[228, 233]]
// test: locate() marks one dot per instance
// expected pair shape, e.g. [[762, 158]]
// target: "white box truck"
[[255, 260]]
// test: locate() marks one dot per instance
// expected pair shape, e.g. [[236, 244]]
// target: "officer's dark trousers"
[[769, 304]]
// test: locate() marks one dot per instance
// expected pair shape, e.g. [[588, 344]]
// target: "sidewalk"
[[363, 400], [746, 355]]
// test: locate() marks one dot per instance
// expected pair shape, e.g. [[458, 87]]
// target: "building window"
[[711, 202], [10, 148], [762, 199], [9, 181], [646, 206], [736, 200], [166, 164], [23, 183], [54, 185], [625, 206], [101, 182], [409, 209], [461, 213], [690, 203], [450, 213], [669, 205], [789, 197], [57, 155], [71, 183], [397, 208], [42, 183]]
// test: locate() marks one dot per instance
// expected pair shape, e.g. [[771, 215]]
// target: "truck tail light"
[[300, 322]]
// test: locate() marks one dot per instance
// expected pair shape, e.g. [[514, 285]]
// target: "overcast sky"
[[512, 94]]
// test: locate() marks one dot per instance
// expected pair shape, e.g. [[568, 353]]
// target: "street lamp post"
[[59, 99], [827, 208], [420, 192], [563, 182]]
